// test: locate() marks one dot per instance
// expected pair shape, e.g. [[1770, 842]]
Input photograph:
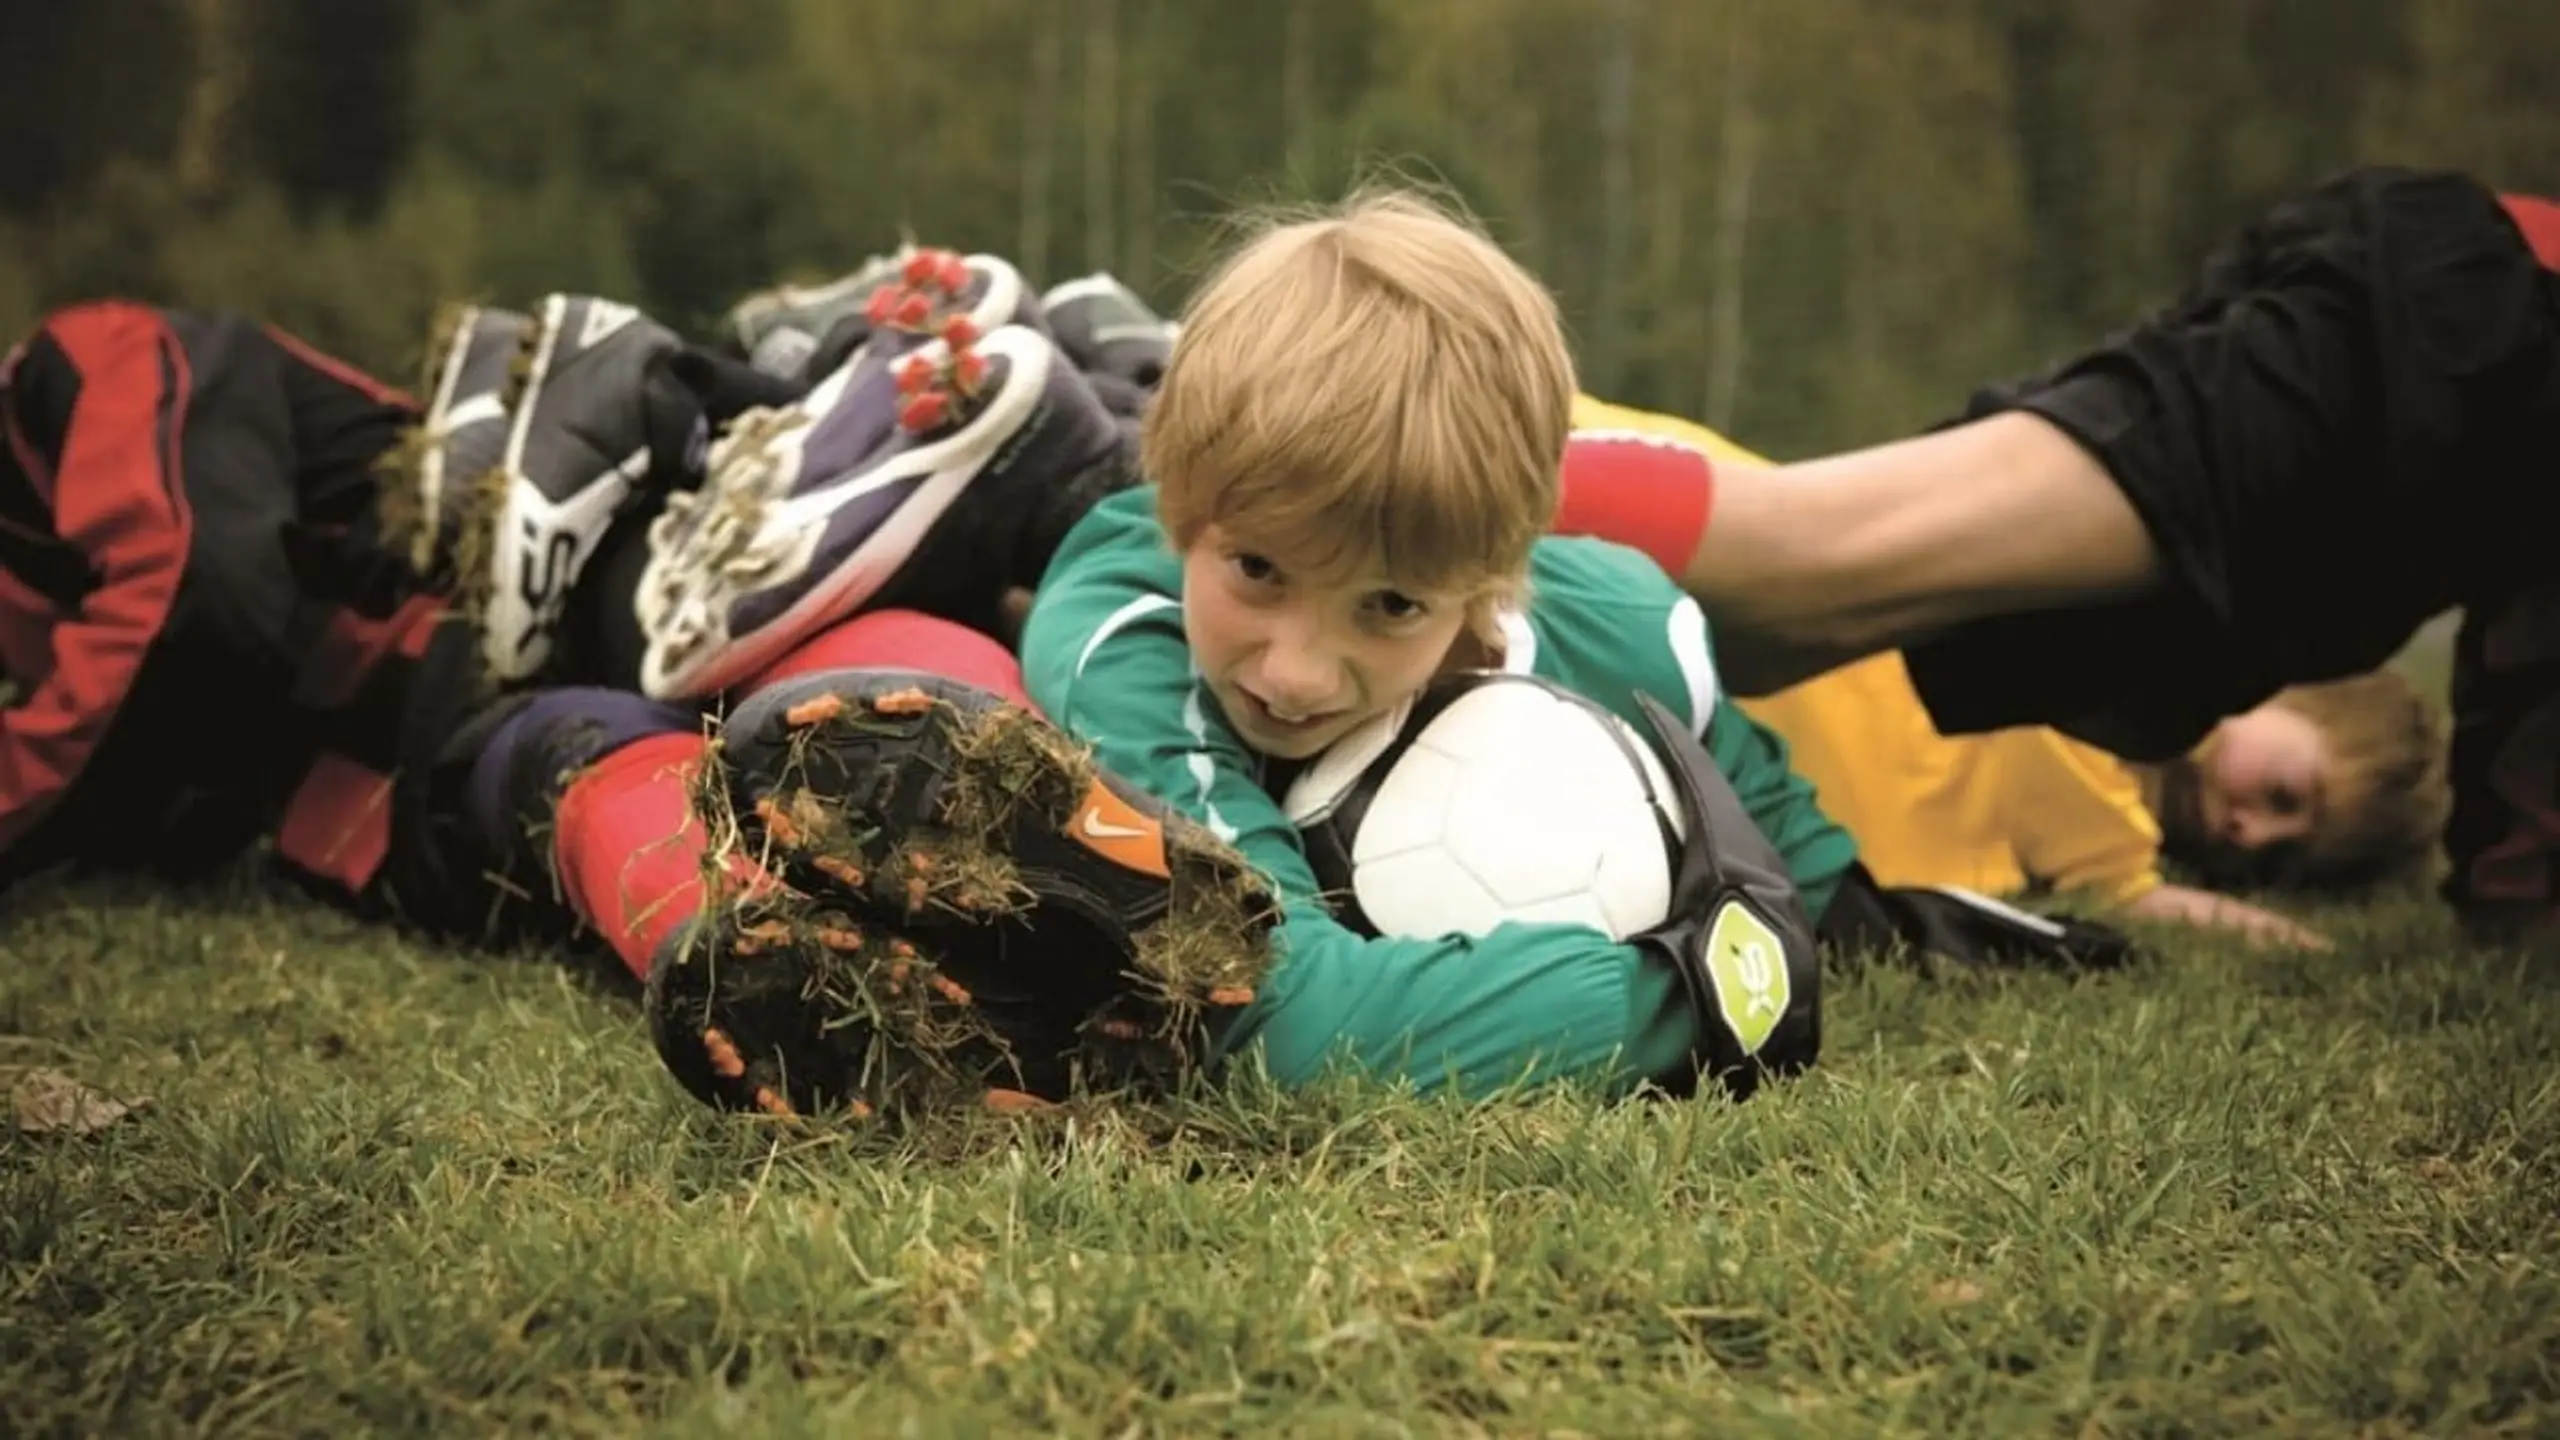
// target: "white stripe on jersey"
[[1204, 771], [1142, 606], [1697, 663]]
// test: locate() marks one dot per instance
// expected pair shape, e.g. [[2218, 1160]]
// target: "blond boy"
[[1355, 452]]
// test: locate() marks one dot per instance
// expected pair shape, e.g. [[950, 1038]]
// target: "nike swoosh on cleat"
[[1100, 829]]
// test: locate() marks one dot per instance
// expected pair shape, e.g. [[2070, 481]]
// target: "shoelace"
[[718, 533]]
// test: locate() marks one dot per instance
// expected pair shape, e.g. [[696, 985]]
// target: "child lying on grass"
[[2326, 787]]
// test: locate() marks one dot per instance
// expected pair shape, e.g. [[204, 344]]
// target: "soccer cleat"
[[459, 440], [1107, 330], [956, 900], [583, 435], [817, 511], [921, 300], [778, 331]]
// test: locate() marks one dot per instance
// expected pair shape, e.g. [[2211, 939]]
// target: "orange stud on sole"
[[754, 939], [778, 824], [724, 1056], [815, 711]]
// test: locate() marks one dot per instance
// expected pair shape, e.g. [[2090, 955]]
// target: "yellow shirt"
[[1998, 813]]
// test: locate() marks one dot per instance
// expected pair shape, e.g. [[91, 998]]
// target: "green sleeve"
[[1536, 1002], [1780, 801]]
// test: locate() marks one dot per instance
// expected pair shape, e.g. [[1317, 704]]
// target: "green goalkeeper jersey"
[[1104, 655]]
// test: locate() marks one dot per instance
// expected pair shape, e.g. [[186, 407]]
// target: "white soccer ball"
[[1491, 798]]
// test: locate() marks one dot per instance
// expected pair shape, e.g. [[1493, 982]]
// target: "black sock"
[[1062, 508]]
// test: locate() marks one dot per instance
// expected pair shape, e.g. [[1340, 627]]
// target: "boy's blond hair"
[[1374, 386], [2388, 793]]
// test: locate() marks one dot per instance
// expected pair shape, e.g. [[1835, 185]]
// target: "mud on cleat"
[[892, 477], [779, 331], [961, 902], [596, 416], [458, 442], [930, 290]]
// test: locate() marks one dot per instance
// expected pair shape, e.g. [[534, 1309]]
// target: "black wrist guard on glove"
[[1738, 936], [1959, 925]]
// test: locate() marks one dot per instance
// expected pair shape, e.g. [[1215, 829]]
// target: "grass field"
[[385, 1187]]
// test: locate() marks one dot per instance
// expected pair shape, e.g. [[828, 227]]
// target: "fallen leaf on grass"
[[1955, 1292], [49, 1101]]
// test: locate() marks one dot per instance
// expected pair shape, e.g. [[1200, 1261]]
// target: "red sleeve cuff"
[[1649, 492]]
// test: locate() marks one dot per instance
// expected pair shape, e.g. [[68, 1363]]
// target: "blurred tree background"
[[1812, 222]]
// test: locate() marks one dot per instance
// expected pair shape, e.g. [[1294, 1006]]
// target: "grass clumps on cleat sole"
[[996, 942]]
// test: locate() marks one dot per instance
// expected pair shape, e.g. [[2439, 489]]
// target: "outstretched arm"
[[1806, 567], [1809, 566]]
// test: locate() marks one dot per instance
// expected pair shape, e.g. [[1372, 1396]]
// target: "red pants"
[[628, 850]]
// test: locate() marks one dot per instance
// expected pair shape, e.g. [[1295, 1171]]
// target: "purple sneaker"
[[928, 293], [814, 512]]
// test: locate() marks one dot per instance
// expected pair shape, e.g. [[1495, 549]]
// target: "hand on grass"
[[2260, 926]]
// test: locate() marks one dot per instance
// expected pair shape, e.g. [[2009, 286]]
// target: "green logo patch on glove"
[[1749, 965]]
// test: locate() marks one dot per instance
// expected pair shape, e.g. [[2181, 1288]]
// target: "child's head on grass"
[[1356, 442], [2328, 786]]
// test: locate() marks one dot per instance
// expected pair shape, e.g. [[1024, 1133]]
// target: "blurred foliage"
[[1814, 222]]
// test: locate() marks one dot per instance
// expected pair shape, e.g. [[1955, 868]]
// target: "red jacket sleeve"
[[117, 499]]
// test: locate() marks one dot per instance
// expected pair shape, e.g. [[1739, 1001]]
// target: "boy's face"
[[1297, 663], [2256, 786]]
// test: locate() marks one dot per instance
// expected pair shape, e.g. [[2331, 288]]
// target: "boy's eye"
[[1396, 605], [1256, 568], [2281, 797]]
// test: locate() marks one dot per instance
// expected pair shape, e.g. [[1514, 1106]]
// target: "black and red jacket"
[[191, 603], [2539, 219]]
